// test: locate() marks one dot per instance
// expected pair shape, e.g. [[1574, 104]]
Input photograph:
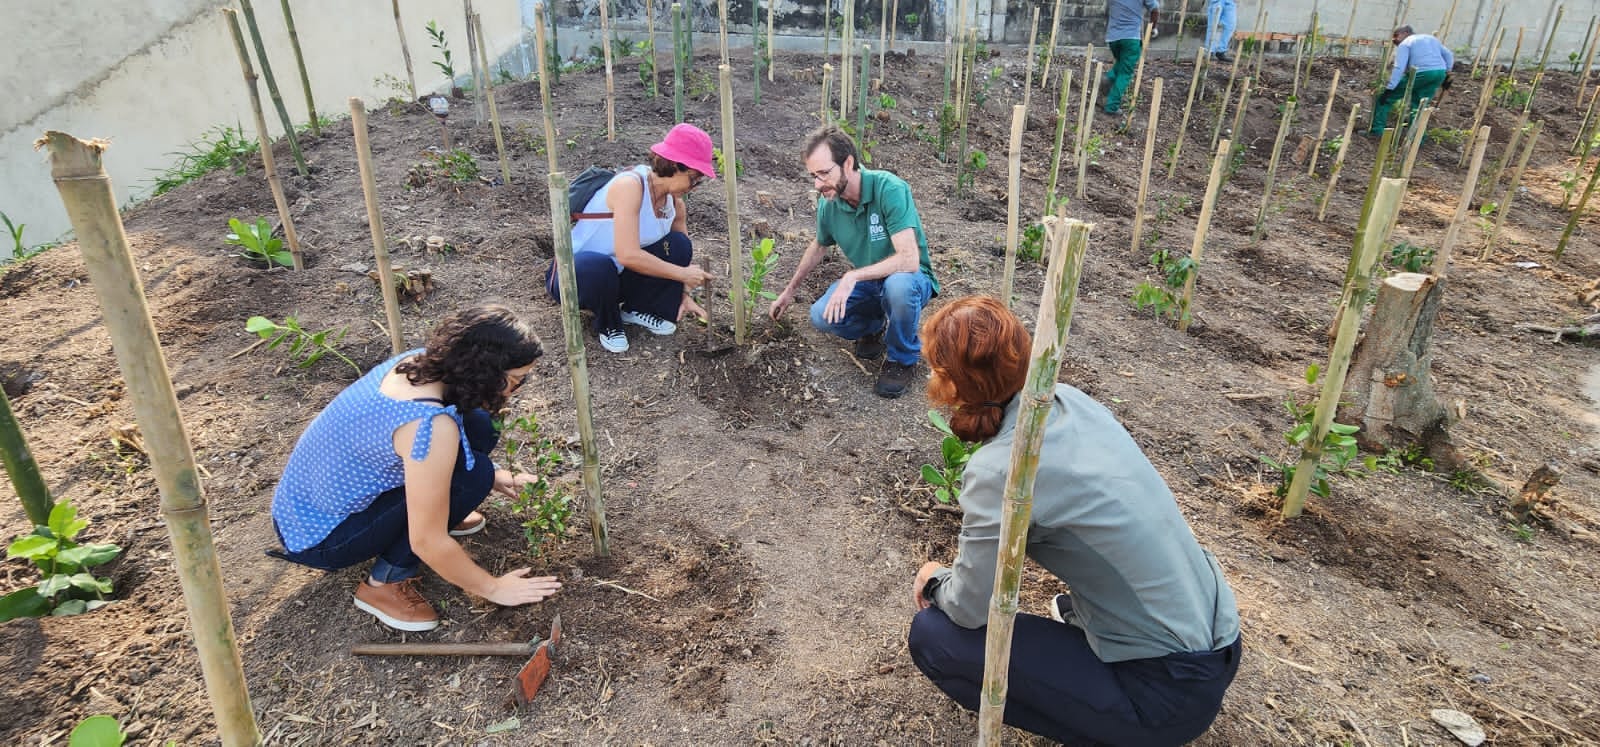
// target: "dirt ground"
[[765, 512]]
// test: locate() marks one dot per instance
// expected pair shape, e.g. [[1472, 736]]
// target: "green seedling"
[[1408, 257], [1393, 460], [545, 508], [647, 66], [306, 347], [946, 479], [222, 148], [65, 585], [1331, 146], [1164, 298], [722, 167], [19, 250], [885, 101], [97, 731], [445, 64], [1572, 59], [1031, 247], [1339, 447], [258, 243], [762, 258], [458, 165], [1569, 185], [1511, 94], [1094, 148], [912, 19]]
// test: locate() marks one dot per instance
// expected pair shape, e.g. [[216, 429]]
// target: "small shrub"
[[545, 508], [65, 585], [1408, 257], [1331, 146], [258, 243], [444, 63], [946, 479], [457, 165], [1511, 94], [306, 346], [1165, 298], [762, 257], [1446, 136], [1339, 447], [1031, 247], [97, 731], [1094, 148], [722, 166], [647, 66]]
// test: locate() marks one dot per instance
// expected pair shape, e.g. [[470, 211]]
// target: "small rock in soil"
[[1461, 725]]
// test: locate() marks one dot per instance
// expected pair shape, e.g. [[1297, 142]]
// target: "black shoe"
[[1222, 57], [893, 378], [870, 347]]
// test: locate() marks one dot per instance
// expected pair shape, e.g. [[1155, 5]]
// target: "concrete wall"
[[154, 75]]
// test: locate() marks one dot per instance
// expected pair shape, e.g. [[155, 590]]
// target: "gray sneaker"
[[614, 341]]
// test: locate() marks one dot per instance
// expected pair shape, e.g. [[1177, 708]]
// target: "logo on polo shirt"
[[875, 230]]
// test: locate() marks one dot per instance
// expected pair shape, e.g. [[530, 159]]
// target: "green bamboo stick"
[[1379, 165], [1061, 136], [300, 61], [24, 471], [272, 89], [1019, 116], [554, 50], [1027, 78], [1577, 212], [1384, 207], [1070, 244], [1088, 132], [1544, 57], [1050, 53], [861, 99], [756, 47]]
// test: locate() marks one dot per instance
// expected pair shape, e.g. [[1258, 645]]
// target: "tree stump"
[[1390, 390], [1531, 502]]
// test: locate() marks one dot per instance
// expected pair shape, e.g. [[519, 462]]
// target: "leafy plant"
[[1569, 185], [885, 101], [1094, 148], [97, 731], [19, 249], [912, 19], [222, 148], [65, 585], [722, 167], [1572, 58], [1446, 136], [1164, 298], [308, 347], [545, 508], [1393, 460], [444, 63], [1409, 257], [762, 257], [1031, 247], [1511, 94], [1331, 145], [946, 479], [257, 241], [1338, 446], [647, 66], [457, 165]]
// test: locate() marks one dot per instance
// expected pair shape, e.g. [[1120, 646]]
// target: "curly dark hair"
[[470, 351]]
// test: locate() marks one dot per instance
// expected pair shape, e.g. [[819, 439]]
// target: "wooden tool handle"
[[442, 649]]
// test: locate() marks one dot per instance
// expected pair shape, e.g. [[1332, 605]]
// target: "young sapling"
[[308, 347], [258, 243]]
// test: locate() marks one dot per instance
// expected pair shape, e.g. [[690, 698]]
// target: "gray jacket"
[[1105, 523]]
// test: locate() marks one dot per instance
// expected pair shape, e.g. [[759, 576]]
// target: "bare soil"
[[765, 512]]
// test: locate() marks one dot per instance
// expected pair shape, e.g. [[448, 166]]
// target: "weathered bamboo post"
[[847, 46], [827, 28], [677, 63], [1088, 133], [380, 241], [1272, 170], [1049, 55], [1484, 97], [1380, 166], [1027, 78], [1299, 52], [1183, 17], [1449, 18], [1149, 155], [1084, 104], [1511, 191], [23, 470], [479, 113], [883, 35], [1061, 136], [1500, 164], [1235, 132], [1368, 240], [85, 189], [972, 59], [1311, 46], [1261, 44], [494, 111], [1138, 70], [1581, 144], [1219, 164], [1338, 162], [1516, 52], [1349, 26], [1019, 117], [272, 89], [541, 49], [1418, 131], [1227, 95], [1544, 57], [757, 44], [894, 21], [1188, 104], [735, 239], [405, 51], [827, 75], [1593, 43], [290, 236], [300, 62], [1322, 130], [1070, 242], [722, 29], [650, 33], [1441, 260], [1577, 212], [861, 100], [554, 47], [611, 91]]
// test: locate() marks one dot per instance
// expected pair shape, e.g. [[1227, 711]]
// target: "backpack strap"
[[604, 216]]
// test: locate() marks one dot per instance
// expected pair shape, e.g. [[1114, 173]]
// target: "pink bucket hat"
[[688, 145]]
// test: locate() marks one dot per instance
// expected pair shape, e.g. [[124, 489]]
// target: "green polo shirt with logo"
[[862, 232]]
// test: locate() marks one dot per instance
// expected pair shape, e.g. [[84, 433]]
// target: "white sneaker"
[[614, 341], [650, 322], [1058, 604]]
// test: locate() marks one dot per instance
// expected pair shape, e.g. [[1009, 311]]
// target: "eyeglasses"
[[822, 176]]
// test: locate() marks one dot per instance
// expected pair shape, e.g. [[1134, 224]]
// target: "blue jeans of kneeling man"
[[892, 305]]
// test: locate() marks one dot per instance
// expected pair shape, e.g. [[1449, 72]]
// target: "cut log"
[[1390, 391]]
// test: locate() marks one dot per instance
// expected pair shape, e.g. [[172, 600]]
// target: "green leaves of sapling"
[[65, 586], [946, 479], [306, 347], [258, 242]]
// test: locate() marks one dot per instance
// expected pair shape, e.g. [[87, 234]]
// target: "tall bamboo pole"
[[380, 241], [24, 471], [1227, 95], [650, 31], [1417, 132], [554, 63], [1088, 133], [1581, 144], [1441, 260], [1188, 104], [1577, 212], [847, 38], [1084, 104], [1484, 97], [883, 35], [827, 75], [611, 91], [757, 59], [85, 189], [1183, 17], [1138, 70], [1544, 57], [1592, 42], [722, 29], [771, 76], [1261, 44], [1311, 46], [1061, 136], [735, 239], [1019, 117], [1219, 164], [677, 63], [1511, 191], [1299, 52], [1449, 18], [290, 236], [1380, 166], [861, 100], [1272, 170], [272, 89], [1236, 132], [1049, 55], [1368, 242], [894, 21], [405, 51], [479, 113], [1510, 152], [1349, 26], [300, 62], [1033, 38], [544, 89], [1322, 130], [1338, 161], [494, 111], [1070, 243], [1516, 52], [1149, 154]]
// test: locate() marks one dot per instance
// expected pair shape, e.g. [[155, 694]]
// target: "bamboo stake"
[[827, 28], [1261, 44], [1033, 37], [735, 239], [883, 35], [1380, 167], [1183, 16], [847, 38], [1138, 70], [1515, 53], [861, 101], [1149, 154], [827, 75], [494, 111], [1441, 261], [405, 51], [1019, 117], [1511, 191], [380, 242], [1272, 170], [1580, 143], [722, 29], [1544, 58], [1183, 127], [650, 31], [1311, 48], [1592, 42], [1061, 136], [1088, 132], [1322, 130], [1070, 244], [1236, 132], [1219, 164], [1084, 104], [894, 22], [611, 91], [1338, 161], [24, 471], [300, 62], [1384, 208], [1484, 97], [544, 88], [76, 167], [677, 64], [1299, 52], [688, 36], [478, 73], [771, 75], [757, 59], [1049, 55], [1227, 95], [1504, 160], [272, 89], [1449, 18], [1417, 133], [1349, 26], [1577, 212], [290, 236]]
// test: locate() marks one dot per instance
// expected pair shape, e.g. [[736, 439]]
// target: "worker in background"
[[1430, 62], [1124, 29]]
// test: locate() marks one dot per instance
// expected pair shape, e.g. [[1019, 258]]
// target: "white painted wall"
[[154, 75]]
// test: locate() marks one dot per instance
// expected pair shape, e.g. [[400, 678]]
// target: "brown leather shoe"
[[870, 347], [893, 378], [398, 605]]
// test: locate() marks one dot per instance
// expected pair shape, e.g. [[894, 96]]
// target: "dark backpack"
[[582, 190]]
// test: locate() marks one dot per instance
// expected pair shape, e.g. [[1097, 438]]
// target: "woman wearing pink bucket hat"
[[631, 251]]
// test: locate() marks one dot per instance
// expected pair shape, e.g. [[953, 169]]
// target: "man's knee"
[[818, 307], [905, 292]]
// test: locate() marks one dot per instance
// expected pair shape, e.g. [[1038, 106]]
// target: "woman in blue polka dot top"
[[396, 466]]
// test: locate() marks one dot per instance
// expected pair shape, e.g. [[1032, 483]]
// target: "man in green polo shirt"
[[871, 217]]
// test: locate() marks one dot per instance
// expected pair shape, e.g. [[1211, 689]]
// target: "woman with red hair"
[[1146, 640]]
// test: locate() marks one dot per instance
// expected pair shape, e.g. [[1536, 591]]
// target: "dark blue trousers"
[[607, 293], [381, 531], [1058, 688]]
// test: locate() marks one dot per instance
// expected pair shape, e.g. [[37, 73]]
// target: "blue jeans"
[[1219, 24], [381, 530], [1058, 688], [892, 306]]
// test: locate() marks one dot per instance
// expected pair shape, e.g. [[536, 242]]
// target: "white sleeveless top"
[[596, 235]]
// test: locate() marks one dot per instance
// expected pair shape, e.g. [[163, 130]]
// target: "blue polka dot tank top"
[[346, 458]]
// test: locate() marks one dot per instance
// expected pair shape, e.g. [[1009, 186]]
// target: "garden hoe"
[[524, 686]]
